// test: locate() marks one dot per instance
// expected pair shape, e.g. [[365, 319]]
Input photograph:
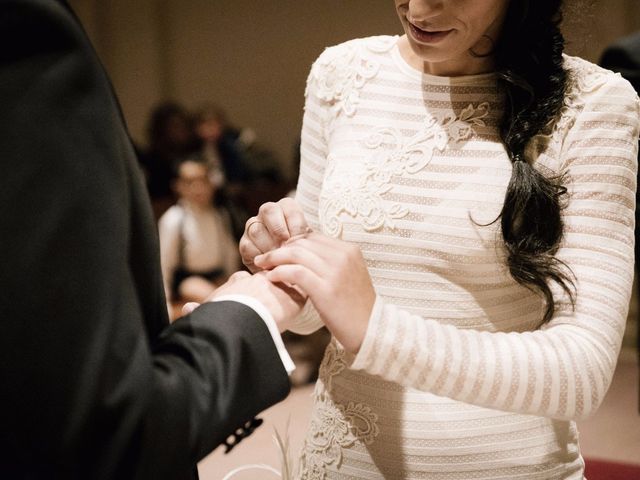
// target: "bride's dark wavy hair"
[[530, 70]]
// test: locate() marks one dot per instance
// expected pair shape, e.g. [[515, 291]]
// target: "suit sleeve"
[[94, 384]]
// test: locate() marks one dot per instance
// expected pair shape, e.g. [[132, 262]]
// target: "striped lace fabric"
[[457, 378]]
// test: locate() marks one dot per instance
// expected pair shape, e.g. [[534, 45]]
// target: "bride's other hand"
[[334, 275], [275, 224]]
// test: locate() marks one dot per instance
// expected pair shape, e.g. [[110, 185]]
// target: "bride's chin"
[[429, 53]]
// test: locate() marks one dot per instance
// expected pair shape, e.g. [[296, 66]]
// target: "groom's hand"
[[284, 303]]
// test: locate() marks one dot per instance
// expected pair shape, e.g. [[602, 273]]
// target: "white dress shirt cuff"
[[266, 316]]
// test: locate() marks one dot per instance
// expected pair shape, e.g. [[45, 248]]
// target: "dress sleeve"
[[563, 369], [313, 157]]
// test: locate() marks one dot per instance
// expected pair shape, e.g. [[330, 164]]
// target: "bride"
[[471, 193]]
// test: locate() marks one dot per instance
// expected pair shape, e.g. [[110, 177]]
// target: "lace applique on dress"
[[381, 43], [358, 190], [334, 426], [582, 77], [341, 72]]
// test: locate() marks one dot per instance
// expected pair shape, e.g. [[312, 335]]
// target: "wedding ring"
[[252, 222], [300, 235]]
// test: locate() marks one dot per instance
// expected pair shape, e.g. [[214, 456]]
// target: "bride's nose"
[[421, 11]]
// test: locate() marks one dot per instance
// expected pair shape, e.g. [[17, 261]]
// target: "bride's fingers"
[[295, 293], [331, 250], [300, 277], [293, 254], [314, 237]]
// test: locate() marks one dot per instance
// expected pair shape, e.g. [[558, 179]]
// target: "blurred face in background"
[[178, 130], [210, 123], [209, 129], [193, 184], [442, 34]]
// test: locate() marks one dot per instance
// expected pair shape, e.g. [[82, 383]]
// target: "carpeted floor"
[[606, 470]]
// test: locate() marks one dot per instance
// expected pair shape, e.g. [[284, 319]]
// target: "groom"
[[94, 383]]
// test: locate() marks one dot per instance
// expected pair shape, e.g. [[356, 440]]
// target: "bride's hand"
[[275, 224], [335, 277]]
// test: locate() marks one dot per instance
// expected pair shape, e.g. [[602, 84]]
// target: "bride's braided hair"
[[530, 72]]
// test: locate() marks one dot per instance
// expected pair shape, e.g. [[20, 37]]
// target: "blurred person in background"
[[197, 248], [221, 146], [236, 155], [171, 138], [224, 149]]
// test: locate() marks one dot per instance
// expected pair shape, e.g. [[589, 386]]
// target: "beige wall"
[[253, 57], [594, 24]]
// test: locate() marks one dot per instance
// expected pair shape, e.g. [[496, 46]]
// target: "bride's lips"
[[424, 36]]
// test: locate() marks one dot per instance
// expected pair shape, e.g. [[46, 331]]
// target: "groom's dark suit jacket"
[[94, 384]]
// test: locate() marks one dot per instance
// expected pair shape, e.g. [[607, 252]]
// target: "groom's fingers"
[[273, 218], [258, 233], [187, 308], [248, 251], [238, 276], [294, 216]]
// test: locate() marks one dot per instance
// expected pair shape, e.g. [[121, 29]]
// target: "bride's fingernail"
[[258, 259]]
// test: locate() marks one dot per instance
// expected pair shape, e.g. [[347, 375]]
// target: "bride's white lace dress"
[[456, 379]]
